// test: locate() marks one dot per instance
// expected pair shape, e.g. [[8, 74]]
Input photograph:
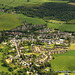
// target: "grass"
[[45, 45], [1, 13], [53, 25], [9, 21], [72, 21], [64, 27], [1, 67], [33, 53], [64, 62], [23, 2], [64, 73], [71, 3], [72, 47], [30, 19], [55, 21], [68, 27]]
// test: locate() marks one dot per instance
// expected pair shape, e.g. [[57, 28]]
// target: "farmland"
[[63, 27], [68, 27], [31, 20], [72, 21], [1, 67], [9, 21], [1, 12], [67, 65], [53, 25], [15, 3]]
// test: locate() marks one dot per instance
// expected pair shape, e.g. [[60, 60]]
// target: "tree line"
[[59, 11]]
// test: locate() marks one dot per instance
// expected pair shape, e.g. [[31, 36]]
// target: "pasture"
[[68, 27], [53, 25], [31, 20], [1, 13], [14, 3], [56, 21], [72, 47], [1, 67], [72, 21], [64, 62], [9, 21], [63, 27]]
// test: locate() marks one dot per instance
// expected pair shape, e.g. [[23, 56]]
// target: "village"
[[33, 50]]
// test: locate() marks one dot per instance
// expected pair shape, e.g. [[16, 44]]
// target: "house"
[[9, 60], [46, 69]]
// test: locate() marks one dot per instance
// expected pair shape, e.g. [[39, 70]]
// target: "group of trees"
[[59, 11]]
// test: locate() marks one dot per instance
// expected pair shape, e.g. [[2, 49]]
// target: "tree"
[[28, 1], [10, 69], [23, 57], [3, 35]]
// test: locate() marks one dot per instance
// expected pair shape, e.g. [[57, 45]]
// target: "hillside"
[[14, 3], [52, 12], [9, 21], [67, 64]]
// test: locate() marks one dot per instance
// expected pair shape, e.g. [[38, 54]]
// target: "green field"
[[15, 3], [64, 27], [1, 67], [1, 13], [30, 19], [64, 62], [72, 21], [68, 27], [53, 25], [9, 21]]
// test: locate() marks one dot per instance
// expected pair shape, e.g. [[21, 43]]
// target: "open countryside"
[[64, 62], [37, 37]]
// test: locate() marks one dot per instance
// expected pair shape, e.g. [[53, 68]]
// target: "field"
[[68, 27], [1, 67], [1, 13], [64, 62], [72, 21], [30, 19], [55, 21], [53, 25], [71, 3], [15, 3], [9, 21], [72, 47], [63, 27]]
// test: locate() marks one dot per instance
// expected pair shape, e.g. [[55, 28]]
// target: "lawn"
[[64, 62], [9, 21], [30, 19], [53, 25]]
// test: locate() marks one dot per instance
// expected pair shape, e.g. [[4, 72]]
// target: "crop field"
[[55, 21], [71, 3], [30, 19], [53, 25], [64, 62], [68, 27], [9, 21]]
